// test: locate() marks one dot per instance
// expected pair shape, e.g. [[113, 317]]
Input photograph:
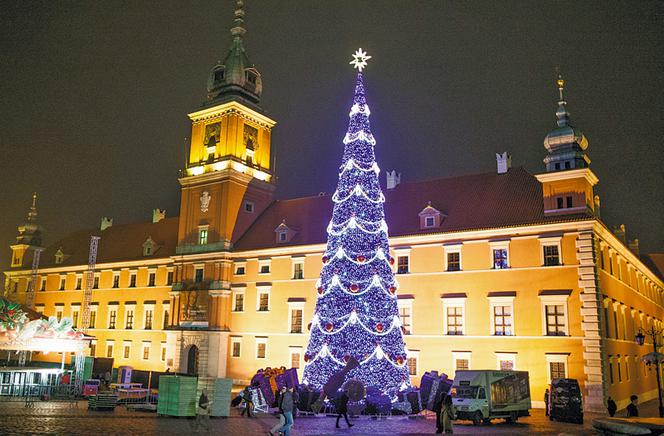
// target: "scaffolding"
[[32, 283], [89, 280]]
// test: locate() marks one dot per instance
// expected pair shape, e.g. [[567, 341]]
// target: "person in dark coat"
[[342, 409], [447, 413], [287, 406], [437, 407], [203, 412], [546, 402], [611, 406], [248, 403], [632, 410], [282, 417]]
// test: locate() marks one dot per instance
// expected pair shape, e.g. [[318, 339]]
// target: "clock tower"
[[227, 181]]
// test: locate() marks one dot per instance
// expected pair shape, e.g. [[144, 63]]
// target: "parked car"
[[565, 402]]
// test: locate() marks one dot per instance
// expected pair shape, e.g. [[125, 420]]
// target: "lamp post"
[[640, 337]]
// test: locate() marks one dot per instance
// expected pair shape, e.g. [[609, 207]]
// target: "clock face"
[[212, 134]]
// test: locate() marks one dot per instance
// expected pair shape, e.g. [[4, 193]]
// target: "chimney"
[[620, 233], [634, 246], [393, 179], [158, 215], [106, 223], [504, 162], [596, 198]]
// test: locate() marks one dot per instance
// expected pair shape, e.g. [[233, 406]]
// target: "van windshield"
[[466, 392]]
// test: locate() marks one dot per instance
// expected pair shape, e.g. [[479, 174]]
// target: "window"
[[199, 275], [402, 264], [151, 278], [147, 250], [249, 207], [112, 316], [169, 279], [453, 316], [236, 347], [461, 360], [502, 320], [261, 348], [63, 281], [147, 316], [619, 366], [295, 310], [42, 286], [165, 319], [95, 282], [405, 314], [129, 318], [39, 308], [109, 348], [238, 300], [551, 255], [263, 300], [162, 357], [506, 361], [283, 236], [556, 366], [146, 351], [240, 269], [116, 281], [557, 165], [203, 236], [58, 313], [454, 261], [79, 283], [295, 354], [93, 317], [132, 280], [126, 349], [555, 320], [568, 201], [59, 256], [499, 258], [615, 321], [93, 348], [429, 221], [264, 267], [298, 270], [74, 317], [557, 370], [411, 361]]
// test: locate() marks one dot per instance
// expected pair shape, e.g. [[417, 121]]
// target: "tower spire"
[[238, 30], [32, 214]]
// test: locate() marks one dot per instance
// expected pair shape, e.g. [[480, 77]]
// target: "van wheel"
[[512, 418], [477, 418], [486, 421]]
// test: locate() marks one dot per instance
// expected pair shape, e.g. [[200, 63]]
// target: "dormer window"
[[202, 235], [219, 75], [149, 247], [284, 233], [249, 207], [59, 256], [251, 77], [430, 217]]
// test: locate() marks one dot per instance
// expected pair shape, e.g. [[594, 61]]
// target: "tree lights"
[[356, 312]]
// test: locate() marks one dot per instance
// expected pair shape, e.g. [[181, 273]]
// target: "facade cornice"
[[585, 173], [232, 107]]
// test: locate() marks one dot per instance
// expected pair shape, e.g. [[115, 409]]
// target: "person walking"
[[287, 406], [447, 412], [203, 412], [546, 402], [342, 409], [282, 418], [248, 403], [611, 406], [437, 407], [632, 410]]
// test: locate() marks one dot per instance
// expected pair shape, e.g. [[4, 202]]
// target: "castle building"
[[504, 269]]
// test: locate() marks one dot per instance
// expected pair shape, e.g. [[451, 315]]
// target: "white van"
[[481, 395]]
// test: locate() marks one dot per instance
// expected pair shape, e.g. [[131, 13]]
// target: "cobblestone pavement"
[[62, 419]]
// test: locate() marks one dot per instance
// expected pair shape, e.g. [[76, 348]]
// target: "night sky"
[[94, 97]]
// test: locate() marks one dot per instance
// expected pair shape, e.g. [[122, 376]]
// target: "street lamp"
[[640, 338]]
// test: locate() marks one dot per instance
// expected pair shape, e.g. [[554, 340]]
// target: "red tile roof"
[[471, 202], [118, 243]]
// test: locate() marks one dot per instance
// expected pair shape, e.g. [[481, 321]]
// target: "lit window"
[[93, 317], [236, 347], [126, 350], [506, 361], [557, 370], [148, 319], [555, 320], [295, 359], [263, 300], [298, 270], [74, 318], [146, 351], [453, 315], [461, 364], [109, 348], [461, 360], [412, 365], [405, 314], [238, 301], [295, 310], [261, 348], [502, 320], [129, 318], [203, 236], [402, 264], [58, 313]]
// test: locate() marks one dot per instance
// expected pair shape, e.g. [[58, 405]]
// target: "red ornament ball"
[[10, 312], [354, 287], [391, 261], [329, 326], [361, 258], [346, 358], [320, 290], [403, 330], [309, 326], [325, 259], [306, 357], [400, 360], [393, 289], [379, 327]]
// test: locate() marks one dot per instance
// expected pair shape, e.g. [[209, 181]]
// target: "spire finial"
[[32, 214], [238, 30], [561, 86], [360, 59]]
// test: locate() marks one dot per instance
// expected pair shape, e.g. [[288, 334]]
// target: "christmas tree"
[[356, 313]]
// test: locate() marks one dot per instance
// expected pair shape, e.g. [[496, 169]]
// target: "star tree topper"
[[360, 59]]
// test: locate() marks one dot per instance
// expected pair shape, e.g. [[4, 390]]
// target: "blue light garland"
[[356, 312]]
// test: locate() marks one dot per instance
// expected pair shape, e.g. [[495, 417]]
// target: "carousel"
[[25, 334]]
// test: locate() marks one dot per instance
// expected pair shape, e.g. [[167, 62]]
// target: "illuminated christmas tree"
[[356, 313]]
